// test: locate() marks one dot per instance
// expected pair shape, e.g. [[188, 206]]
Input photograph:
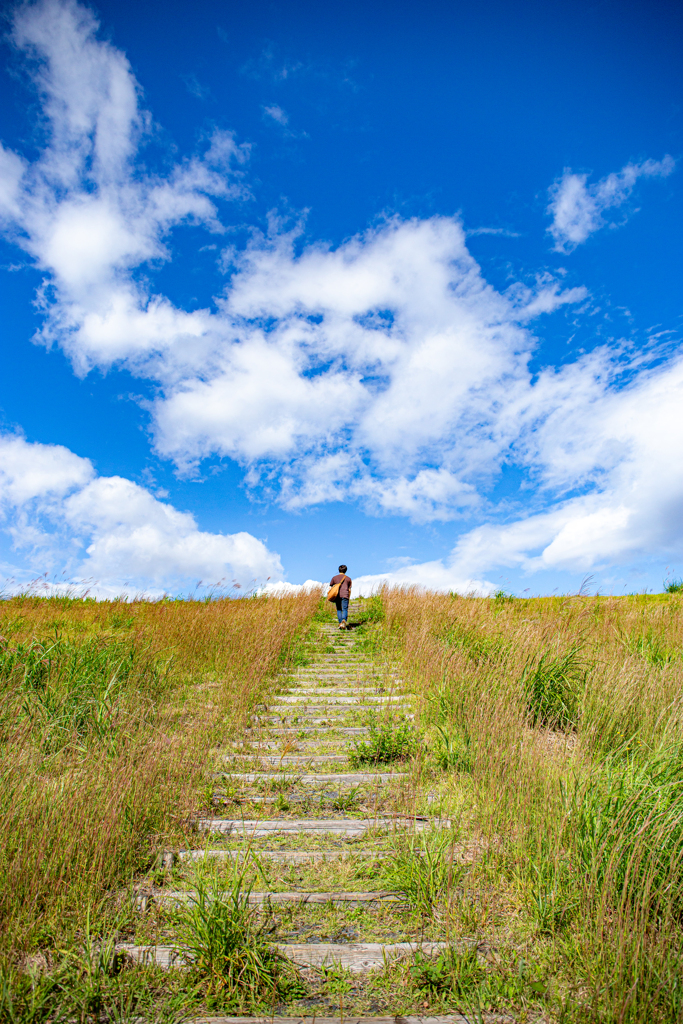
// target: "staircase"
[[320, 829]]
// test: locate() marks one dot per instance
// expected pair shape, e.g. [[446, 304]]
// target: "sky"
[[289, 285]]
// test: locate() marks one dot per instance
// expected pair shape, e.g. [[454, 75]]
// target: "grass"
[[423, 870], [558, 723], [108, 714], [553, 683], [386, 743], [225, 943], [550, 729]]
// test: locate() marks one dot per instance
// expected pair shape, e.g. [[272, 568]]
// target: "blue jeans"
[[342, 604]]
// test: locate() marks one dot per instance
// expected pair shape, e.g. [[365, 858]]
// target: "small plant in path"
[[423, 871], [386, 744], [451, 972], [224, 941]]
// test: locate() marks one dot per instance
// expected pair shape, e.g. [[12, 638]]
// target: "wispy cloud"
[[577, 208], [271, 65], [195, 87], [277, 114], [503, 232]]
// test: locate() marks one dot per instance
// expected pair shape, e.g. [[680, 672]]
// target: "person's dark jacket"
[[345, 589]]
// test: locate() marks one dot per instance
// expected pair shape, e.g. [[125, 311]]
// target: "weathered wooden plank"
[[281, 730], [350, 827], [296, 720], [327, 778], [261, 898], [283, 856], [256, 745], [452, 1018], [338, 706], [290, 759], [378, 700], [293, 1020], [355, 956]]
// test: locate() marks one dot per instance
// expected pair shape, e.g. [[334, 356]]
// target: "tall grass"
[[108, 713], [567, 716]]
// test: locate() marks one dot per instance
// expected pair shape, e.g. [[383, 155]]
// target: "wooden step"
[[378, 700], [343, 691], [356, 730], [349, 827], [319, 778], [277, 898], [282, 856], [451, 1018], [290, 759], [313, 797], [354, 956], [254, 746], [296, 718], [335, 708]]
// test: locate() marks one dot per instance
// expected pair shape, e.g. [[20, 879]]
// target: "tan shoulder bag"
[[333, 592]]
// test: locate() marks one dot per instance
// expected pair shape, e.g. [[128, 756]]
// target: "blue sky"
[[285, 285]]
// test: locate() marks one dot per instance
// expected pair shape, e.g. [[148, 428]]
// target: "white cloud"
[[430, 575], [53, 505], [38, 471], [577, 208], [389, 357], [84, 212], [277, 114], [284, 589], [385, 370], [624, 448], [391, 347]]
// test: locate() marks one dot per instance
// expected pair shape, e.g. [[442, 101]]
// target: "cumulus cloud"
[[385, 370], [389, 357], [356, 366], [623, 448], [84, 212], [58, 511], [577, 208]]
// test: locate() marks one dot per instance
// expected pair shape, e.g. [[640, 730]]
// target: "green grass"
[[386, 743], [554, 683], [225, 943], [423, 870]]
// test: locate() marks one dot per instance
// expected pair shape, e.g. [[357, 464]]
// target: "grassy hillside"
[[108, 713], [548, 731], [557, 724]]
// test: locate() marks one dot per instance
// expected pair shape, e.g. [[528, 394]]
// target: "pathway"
[[321, 830]]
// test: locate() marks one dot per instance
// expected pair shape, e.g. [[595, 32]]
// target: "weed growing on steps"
[[462, 978], [386, 743], [423, 870], [225, 943]]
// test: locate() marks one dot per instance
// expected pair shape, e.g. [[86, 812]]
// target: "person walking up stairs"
[[340, 593]]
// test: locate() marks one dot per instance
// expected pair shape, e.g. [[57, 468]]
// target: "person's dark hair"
[[342, 568]]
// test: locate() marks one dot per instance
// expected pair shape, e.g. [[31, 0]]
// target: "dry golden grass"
[[108, 714], [565, 729]]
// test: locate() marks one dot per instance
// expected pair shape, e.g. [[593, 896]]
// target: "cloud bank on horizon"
[[425, 364]]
